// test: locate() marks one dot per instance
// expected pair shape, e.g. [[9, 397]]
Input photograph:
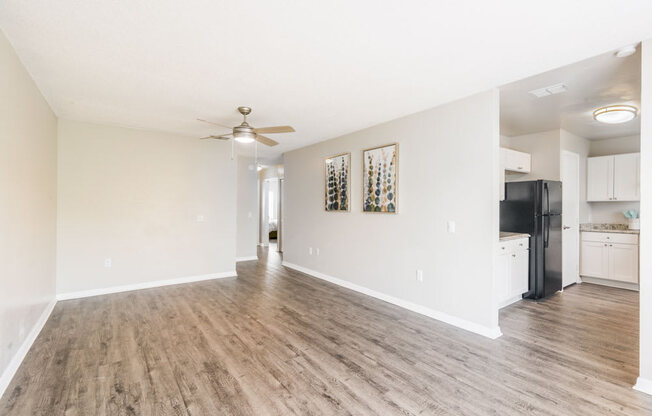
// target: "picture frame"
[[380, 179], [337, 183]]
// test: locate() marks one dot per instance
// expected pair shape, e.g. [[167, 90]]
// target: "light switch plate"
[[450, 226]]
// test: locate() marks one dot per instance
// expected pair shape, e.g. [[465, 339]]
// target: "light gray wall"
[[448, 171], [645, 378], [28, 193], [615, 146], [247, 210], [544, 149], [134, 196]]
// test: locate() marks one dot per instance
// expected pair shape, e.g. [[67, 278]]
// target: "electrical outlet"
[[451, 226], [317, 251], [107, 262], [249, 214], [200, 218], [310, 251], [419, 275]]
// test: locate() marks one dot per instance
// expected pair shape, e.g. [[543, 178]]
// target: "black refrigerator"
[[534, 207]]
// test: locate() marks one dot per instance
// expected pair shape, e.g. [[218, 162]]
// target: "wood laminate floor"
[[276, 342]]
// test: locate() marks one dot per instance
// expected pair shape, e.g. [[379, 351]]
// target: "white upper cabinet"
[[515, 161], [600, 178], [627, 174], [613, 178]]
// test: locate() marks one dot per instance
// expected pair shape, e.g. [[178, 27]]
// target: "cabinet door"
[[502, 279], [627, 170], [518, 280], [623, 262], [594, 259], [600, 178], [517, 161]]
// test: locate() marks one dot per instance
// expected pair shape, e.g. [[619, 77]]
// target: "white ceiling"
[[325, 67], [592, 83]]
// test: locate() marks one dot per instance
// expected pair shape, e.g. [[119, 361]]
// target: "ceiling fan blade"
[[215, 124], [266, 140], [275, 129], [222, 137]]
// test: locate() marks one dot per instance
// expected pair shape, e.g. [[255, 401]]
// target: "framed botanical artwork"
[[380, 179], [336, 178]]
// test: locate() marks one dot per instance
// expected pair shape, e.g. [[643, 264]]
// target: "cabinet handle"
[[513, 255], [519, 167], [605, 245], [611, 245]]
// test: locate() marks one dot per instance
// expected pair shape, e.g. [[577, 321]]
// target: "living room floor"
[[278, 342]]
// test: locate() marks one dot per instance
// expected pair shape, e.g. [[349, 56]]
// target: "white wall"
[[544, 148], [28, 188], [448, 171], [134, 196], [645, 372], [247, 209]]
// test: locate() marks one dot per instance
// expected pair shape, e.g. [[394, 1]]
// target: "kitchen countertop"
[[505, 236], [607, 228]]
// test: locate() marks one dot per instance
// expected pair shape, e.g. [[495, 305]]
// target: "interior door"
[[570, 172]]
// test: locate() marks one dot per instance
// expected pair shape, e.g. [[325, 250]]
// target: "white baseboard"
[[144, 285], [488, 332], [643, 385], [509, 302], [610, 283], [18, 358], [247, 258]]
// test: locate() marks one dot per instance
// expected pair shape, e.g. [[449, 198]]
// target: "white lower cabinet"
[[513, 267], [610, 256]]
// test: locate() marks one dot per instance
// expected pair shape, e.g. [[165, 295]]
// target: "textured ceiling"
[[325, 67]]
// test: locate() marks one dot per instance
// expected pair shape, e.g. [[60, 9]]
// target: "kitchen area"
[[570, 180]]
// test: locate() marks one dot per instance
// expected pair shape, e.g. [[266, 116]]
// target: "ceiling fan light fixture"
[[244, 137], [615, 114]]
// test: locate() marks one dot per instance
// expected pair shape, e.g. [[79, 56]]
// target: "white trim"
[[509, 301], [610, 283], [643, 385], [144, 285], [246, 258], [488, 332], [18, 358]]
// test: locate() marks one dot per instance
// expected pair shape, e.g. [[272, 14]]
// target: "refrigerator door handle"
[[546, 231], [545, 187]]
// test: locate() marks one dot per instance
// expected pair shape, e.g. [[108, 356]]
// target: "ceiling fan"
[[244, 133]]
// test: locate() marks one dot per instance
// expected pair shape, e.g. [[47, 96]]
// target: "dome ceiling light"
[[615, 114]]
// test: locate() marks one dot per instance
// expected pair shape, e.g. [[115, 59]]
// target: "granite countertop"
[[607, 228], [505, 236]]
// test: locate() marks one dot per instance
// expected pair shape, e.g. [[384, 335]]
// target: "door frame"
[[576, 156]]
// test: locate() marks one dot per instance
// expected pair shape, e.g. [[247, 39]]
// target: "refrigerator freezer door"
[[517, 211]]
